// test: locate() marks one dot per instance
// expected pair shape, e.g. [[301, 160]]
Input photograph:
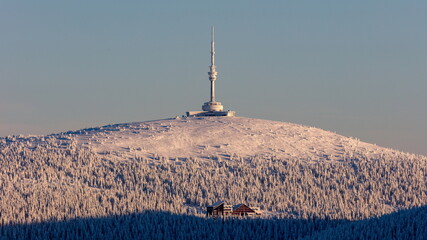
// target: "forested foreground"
[[49, 183], [408, 225]]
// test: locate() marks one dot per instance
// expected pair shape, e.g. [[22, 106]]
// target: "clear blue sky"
[[358, 68]]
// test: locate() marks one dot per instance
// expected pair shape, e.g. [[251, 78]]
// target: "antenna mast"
[[212, 73]]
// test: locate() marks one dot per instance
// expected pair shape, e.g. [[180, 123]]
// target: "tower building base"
[[212, 106], [211, 114]]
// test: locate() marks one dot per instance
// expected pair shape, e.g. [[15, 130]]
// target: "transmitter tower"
[[212, 108]]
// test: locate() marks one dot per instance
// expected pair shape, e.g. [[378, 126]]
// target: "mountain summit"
[[223, 137]]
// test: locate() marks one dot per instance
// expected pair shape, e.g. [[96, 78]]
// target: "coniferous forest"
[[52, 191]]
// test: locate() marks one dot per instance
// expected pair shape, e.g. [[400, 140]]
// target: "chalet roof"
[[216, 204], [240, 205]]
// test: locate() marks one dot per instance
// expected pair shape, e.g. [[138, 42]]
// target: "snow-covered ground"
[[223, 137]]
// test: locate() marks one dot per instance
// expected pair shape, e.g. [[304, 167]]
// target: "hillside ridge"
[[223, 137]]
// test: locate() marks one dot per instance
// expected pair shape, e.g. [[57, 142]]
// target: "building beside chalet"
[[220, 209]]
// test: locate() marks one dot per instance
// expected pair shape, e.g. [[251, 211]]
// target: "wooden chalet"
[[243, 210], [221, 209]]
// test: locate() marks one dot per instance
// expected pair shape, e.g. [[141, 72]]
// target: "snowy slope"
[[223, 137], [183, 165]]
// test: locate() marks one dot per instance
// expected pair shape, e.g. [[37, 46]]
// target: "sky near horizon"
[[358, 68]]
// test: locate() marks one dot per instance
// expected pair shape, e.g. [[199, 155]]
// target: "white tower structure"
[[212, 108], [212, 105]]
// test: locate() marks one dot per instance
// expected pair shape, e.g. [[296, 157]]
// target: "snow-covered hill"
[[182, 165], [222, 137]]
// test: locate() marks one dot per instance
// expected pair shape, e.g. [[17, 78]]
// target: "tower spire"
[[212, 73], [212, 46]]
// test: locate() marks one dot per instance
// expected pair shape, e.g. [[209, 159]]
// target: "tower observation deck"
[[212, 108]]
